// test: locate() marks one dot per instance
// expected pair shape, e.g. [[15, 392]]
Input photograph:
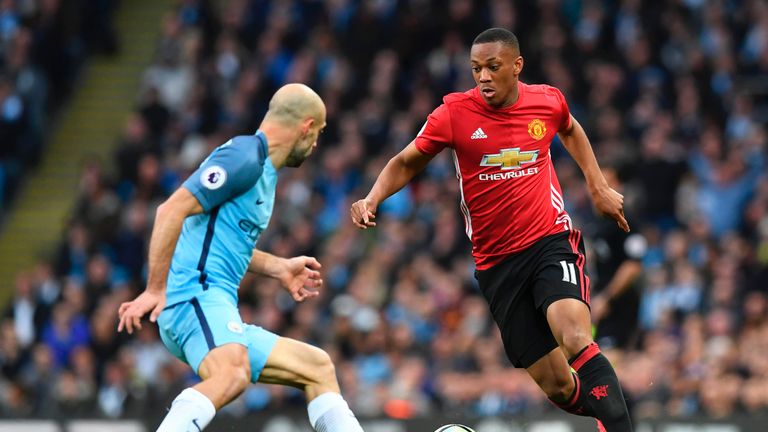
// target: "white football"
[[454, 428]]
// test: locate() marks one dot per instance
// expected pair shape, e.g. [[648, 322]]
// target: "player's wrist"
[[596, 182], [597, 188], [155, 289], [371, 201], [277, 267], [597, 185]]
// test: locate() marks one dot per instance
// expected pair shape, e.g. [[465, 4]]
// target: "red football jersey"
[[510, 196]]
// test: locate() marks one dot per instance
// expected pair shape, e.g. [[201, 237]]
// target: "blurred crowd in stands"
[[673, 94], [43, 45]]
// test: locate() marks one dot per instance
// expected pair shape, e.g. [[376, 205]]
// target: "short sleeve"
[[565, 112], [436, 133], [227, 173]]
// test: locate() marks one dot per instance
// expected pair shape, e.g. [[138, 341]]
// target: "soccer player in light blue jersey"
[[203, 242]]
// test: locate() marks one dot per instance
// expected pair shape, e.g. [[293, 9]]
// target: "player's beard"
[[297, 156], [294, 159]]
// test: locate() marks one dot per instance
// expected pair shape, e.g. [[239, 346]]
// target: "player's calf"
[[575, 402], [600, 389], [559, 389], [553, 374]]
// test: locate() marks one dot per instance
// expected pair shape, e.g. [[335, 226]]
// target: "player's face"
[[495, 68], [305, 145]]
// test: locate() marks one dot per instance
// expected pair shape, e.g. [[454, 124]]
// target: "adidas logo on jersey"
[[478, 134]]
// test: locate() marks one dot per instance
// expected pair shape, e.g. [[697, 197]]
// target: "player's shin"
[[329, 412], [600, 389], [191, 411]]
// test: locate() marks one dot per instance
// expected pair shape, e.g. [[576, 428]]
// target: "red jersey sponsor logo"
[[509, 158], [508, 175]]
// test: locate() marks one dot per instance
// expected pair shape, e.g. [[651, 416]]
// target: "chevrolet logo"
[[509, 158]]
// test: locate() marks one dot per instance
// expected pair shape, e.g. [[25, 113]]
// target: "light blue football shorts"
[[191, 329]]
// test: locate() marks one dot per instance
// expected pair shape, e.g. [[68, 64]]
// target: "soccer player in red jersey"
[[529, 258]]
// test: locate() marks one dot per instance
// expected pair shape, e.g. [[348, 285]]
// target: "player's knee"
[[239, 377], [236, 372], [322, 367], [327, 369], [574, 340], [243, 370]]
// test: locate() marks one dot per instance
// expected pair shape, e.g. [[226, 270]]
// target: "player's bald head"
[[293, 103]]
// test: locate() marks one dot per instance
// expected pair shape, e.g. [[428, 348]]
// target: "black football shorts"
[[520, 289]]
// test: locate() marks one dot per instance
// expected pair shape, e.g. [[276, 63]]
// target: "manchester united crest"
[[537, 129]]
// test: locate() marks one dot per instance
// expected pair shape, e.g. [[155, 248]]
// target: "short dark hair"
[[498, 35]]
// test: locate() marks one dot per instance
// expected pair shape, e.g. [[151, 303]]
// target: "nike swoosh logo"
[[194, 422], [259, 202]]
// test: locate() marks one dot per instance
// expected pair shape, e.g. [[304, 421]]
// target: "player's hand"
[[611, 203], [363, 212], [130, 313], [300, 277]]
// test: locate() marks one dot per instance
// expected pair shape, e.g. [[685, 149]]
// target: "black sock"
[[576, 402], [601, 390]]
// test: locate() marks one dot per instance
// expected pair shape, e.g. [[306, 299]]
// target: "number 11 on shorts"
[[569, 272]]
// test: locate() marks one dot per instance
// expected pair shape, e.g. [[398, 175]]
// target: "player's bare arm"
[[169, 220], [300, 275], [606, 200], [398, 172]]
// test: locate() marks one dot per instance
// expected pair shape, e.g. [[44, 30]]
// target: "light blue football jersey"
[[236, 187]]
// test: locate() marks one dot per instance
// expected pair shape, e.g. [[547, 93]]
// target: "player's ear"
[[306, 125], [519, 65]]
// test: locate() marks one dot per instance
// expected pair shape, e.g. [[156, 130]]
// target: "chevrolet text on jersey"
[[508, 174]]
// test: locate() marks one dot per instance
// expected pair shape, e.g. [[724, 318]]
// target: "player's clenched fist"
[[363, 212]]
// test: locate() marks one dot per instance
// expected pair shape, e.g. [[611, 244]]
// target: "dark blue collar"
[[262, 142]]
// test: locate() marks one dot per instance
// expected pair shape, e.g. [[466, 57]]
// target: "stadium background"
[[106, 106]]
